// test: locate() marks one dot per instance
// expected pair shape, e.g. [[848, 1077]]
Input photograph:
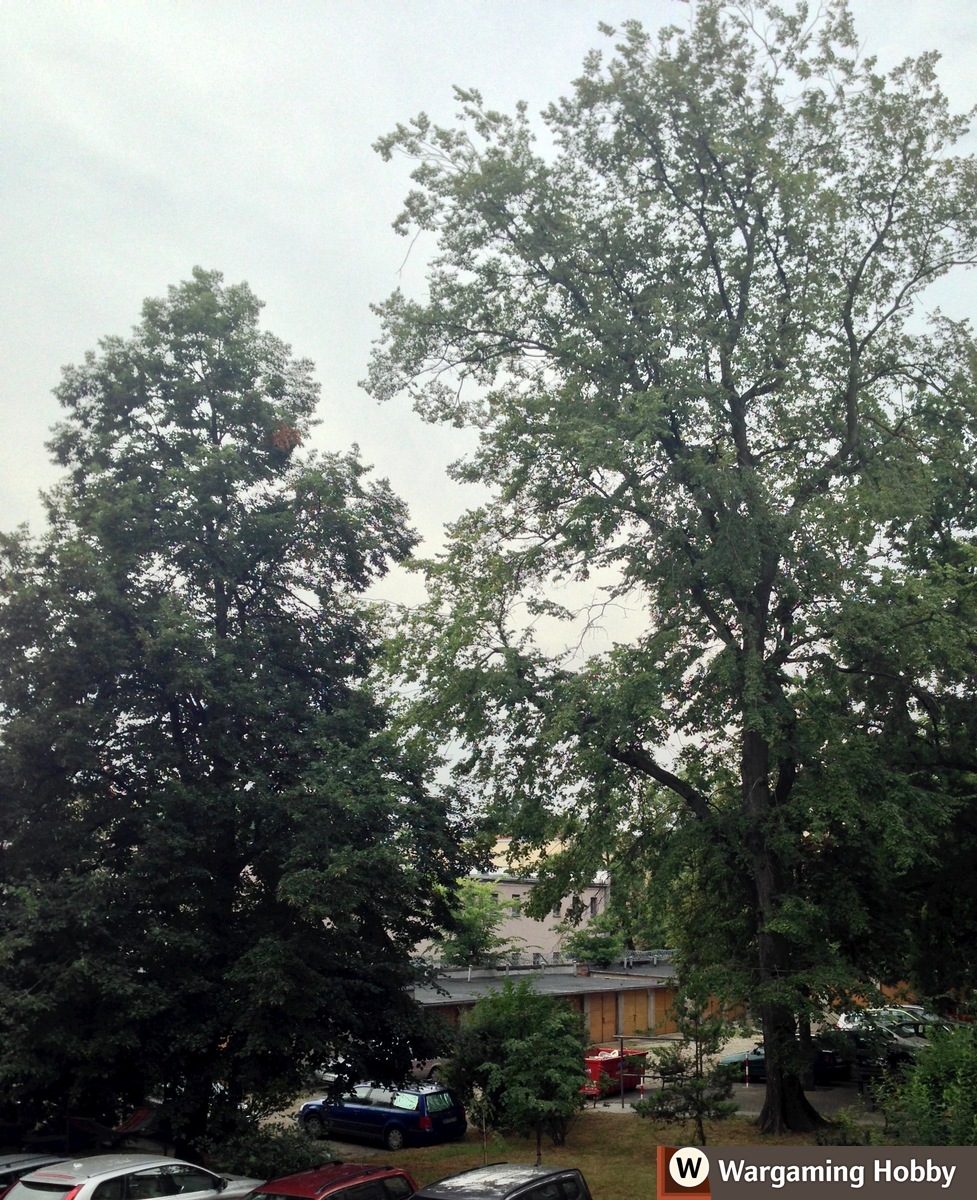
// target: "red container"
[[604, 1066]]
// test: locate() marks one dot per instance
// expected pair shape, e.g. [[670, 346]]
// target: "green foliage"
[[687, 325], [474, 938], [845, 1130], [519, 1059], [933, 1102], [599, 943], [693, 1088], [265, 1151], [216, 857]]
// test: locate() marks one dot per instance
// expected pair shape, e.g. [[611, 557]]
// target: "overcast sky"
[[143, 137]]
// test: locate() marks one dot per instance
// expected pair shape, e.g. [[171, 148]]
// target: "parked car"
[[895, 1014], [340, 1181], [13, 1166], [829, 1064], [427, 1068], [877, 1048], [509, 1181], [395, 1117], [128, 1177]]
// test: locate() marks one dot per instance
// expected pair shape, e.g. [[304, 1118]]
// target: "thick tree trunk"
[[785, 1105]]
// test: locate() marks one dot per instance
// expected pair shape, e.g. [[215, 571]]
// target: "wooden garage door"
[[664, 1017], [603, 1016], [634, 1012]]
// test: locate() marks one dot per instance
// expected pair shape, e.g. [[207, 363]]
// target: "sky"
[[143, 137]]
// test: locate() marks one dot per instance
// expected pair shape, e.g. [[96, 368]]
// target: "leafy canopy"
[[475, 939], [687, 319], [216, 858]]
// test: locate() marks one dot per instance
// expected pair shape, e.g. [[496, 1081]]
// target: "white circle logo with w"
[[689, 1166]]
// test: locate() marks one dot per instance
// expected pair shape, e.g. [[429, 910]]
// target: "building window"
[[516, 904], [593, 906], [556, 909]]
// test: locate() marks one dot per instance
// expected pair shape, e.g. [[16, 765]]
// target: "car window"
[[148, 1185], [396, 1187], [543, 1191], [111, 1189], [185, 1178], [23, 1190], [361, 1094], [361, 1191], [440, 1102], [408, 1100]]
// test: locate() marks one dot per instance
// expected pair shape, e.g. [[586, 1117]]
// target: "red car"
[[340, 1181]]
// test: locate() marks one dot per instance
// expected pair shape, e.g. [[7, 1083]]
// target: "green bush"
[[267, 1151], [934, 1101], [845, 1130]]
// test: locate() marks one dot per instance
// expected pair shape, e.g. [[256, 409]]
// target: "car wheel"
[[393, 1138], [434, 1074], [315, 1126]]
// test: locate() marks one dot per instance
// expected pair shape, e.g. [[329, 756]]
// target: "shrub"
[[934, 1101], [266, 1152], [844, 1130]]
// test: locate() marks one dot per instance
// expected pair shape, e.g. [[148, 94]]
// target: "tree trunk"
[[785, 1106]]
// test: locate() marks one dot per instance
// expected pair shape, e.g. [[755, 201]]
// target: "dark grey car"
[[509, 1181]]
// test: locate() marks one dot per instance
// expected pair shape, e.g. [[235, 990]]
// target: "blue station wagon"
[[394, 1117]]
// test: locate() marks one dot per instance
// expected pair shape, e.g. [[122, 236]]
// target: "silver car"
[[127, 1177], [13, 1166]]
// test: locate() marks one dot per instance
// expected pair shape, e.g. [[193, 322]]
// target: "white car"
[[876, 1017], [128, 1177]]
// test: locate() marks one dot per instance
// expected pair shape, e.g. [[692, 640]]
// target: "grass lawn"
[[615, 1151]]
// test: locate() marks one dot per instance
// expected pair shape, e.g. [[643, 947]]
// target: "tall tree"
[[215, 860], [689, 333]]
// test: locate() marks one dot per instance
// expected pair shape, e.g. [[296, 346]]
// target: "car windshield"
[[37, 1190], [439, 1102]]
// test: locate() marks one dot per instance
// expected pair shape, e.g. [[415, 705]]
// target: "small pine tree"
[[693, 1087]]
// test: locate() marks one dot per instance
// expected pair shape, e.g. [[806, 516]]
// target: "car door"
[[380, 1114], [349, 1116], [193, 1182]]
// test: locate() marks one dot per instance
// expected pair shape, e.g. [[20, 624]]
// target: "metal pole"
[[621, 1041]]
